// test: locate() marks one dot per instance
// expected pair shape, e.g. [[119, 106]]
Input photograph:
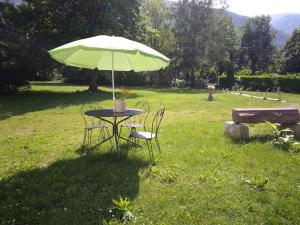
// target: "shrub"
[[290, 83], [284, 138], [244, 72], [258, 82], [224, 82], [121, 210], [264, 82]]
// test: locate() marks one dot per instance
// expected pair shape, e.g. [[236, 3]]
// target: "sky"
[[267, 7]]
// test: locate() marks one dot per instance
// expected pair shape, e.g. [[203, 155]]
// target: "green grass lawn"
[[200, 177]]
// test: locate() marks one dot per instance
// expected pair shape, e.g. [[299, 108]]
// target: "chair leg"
[[149, 145], [88, 144], [108, 135], [84, 136], [120, 131], [100, 137], [130, 130], [157, 144], [90, 138]]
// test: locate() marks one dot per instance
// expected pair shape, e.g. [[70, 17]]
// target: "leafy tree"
[[256, 43], [15, 66], [50, 23], [222, 46], [192, 25], [291, 52], [155, 31]]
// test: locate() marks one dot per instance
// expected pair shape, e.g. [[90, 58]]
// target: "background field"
[[200, 177]]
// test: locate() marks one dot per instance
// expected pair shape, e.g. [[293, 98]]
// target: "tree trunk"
[[192, 77], [93, 82], [253, 67], [230, 75]]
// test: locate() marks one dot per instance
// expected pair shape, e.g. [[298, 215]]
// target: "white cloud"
[[266, 7]]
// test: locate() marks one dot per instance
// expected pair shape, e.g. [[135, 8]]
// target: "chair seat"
[[94, 127], [132, 125], [142, 135]]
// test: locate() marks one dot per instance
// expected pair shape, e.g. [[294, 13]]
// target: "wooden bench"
[[285, 117]]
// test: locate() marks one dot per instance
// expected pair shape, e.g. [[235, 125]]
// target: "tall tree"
[[222, 46], [256, 42], [156, 32], [291, 52], [51, 23], [15, 66], [192, 31]]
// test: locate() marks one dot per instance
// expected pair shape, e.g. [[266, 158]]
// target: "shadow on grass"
[[74, 191], [256, 138], [32, 101], [53, 83], [177, 90]]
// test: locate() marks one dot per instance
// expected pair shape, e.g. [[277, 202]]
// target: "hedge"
[[266, 82]]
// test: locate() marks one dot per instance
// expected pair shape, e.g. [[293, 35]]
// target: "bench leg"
[[236, 131]]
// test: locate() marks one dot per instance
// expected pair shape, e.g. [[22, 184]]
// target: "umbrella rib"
[[65, 61], [129, 61], [98, 61]]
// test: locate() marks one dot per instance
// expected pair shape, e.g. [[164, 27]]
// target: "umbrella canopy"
[[96, 52], [110, 53]]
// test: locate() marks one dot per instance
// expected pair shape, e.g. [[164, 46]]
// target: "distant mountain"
[[286, 22], [281, 36], [169, 2], [14, 2], [238, 20]]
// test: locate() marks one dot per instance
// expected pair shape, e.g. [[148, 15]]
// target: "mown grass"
[[201, 177]]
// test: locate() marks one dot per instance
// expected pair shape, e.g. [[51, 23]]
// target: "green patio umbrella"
[[110, 53]]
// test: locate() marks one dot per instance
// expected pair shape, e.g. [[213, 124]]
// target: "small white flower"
[[247, 182]]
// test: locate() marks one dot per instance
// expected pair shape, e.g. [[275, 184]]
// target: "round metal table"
[[109, 113]]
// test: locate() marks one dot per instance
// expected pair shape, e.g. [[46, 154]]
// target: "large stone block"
[[261, 115], [235, 130], [296, 129]]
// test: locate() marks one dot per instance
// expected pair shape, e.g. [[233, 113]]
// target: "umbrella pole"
[[112, 75], [115, 126]]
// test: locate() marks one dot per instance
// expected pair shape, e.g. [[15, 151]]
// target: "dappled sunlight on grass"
[[201, 177]]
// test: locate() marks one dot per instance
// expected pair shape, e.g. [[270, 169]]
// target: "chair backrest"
[[141, 118], [157, 120], [90, 120]]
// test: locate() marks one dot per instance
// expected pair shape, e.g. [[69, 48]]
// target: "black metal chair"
[[138, 121], [92, 123], [149, 136]]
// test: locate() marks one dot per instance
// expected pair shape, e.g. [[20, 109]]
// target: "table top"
[[111, 113]]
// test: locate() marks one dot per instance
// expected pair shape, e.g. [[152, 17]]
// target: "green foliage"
[[223, 82], [154, 29], [121, 209], [192, 29], [291, 52], [256, 43], [164, 176], [38, 26], [270, 82], [244, 72], [259, 182], [197, 179], [123, 93], [283, 138], [15, 66]]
